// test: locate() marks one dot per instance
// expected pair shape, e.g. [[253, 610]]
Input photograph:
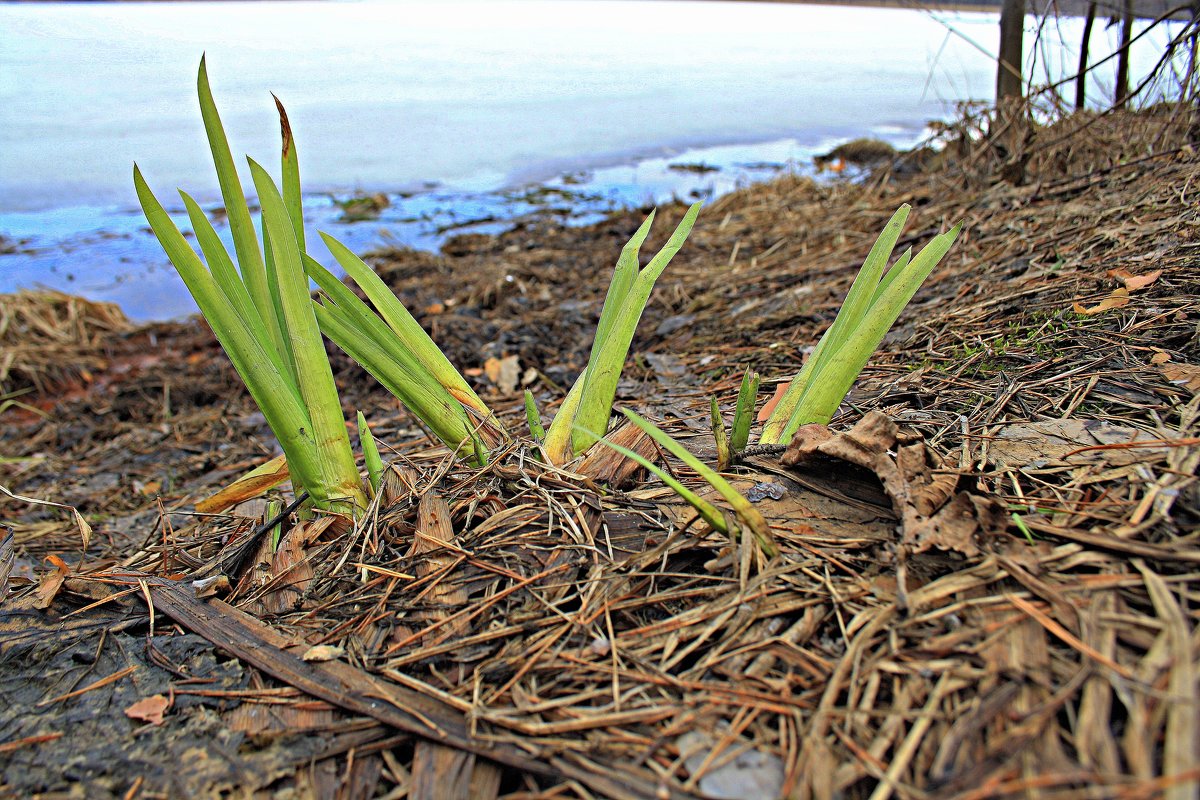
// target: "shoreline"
[[128, 268]]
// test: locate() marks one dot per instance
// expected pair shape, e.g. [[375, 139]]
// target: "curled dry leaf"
[[252, 484], [1119, 298], [1134, 282], [149, 709], [923, 493], [51, 582]]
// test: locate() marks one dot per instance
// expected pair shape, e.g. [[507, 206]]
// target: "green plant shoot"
[[371, 459], [583, 417], [873, 304], [263, 317], [743, 415]]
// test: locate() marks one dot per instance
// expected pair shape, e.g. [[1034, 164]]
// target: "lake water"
[[451, 107]]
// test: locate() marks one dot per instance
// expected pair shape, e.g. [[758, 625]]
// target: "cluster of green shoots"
[[265, 317]]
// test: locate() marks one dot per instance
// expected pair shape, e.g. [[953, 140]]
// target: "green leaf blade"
[[245, 239], [745, 510], [290, 163], [400, 320], [270, 388], [607, 359], [315, 378]]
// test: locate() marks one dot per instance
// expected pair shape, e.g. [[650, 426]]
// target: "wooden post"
[[1009, 85]]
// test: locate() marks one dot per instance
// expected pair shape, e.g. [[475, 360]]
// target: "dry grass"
[[50, 338]]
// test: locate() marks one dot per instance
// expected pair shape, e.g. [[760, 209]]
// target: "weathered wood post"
[[1081, 78], [1122, 95], [1009, 85]]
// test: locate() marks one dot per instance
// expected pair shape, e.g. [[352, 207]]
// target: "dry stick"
[[16, 744], [116, 676]]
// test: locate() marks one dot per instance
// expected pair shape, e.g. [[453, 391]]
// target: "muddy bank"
[[1051, 366]]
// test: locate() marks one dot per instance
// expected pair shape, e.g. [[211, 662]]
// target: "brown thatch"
[[48, 338]]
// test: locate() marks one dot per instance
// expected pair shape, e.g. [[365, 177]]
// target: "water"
[[454, 108]]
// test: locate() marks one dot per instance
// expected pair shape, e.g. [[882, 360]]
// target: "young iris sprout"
[[533, 419], [371, 458], [263, 316], [724, 454], [583, 416], [743, 415], [874, 302]]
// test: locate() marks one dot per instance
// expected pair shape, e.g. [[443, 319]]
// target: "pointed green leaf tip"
[[874, 302], [370, 449], [584, 415], [533, 418]]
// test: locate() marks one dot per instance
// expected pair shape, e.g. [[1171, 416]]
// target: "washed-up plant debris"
[[518, 630]]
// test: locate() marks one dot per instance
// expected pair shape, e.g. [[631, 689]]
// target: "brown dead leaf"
[[252, 484], [85, 530], [1063, 441], [924, 494], [1159, 357], [149, 709], [1118, 298], [51, 583], [1185, 375], [780, 390], [504, 373], [1134, 282]]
